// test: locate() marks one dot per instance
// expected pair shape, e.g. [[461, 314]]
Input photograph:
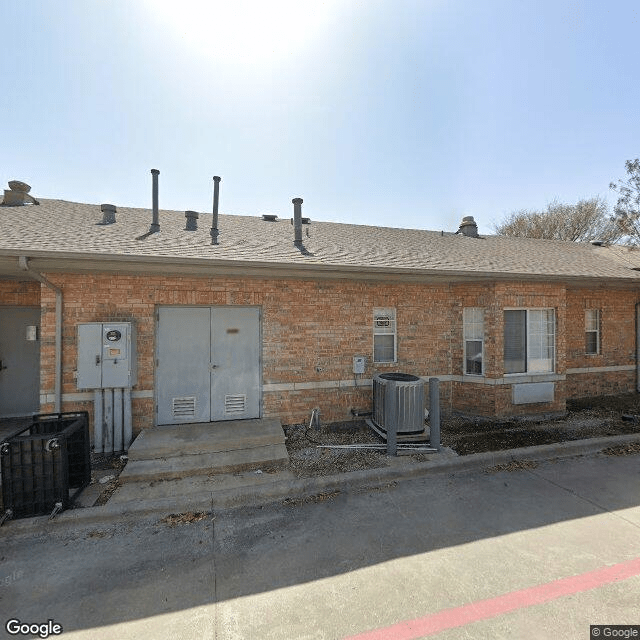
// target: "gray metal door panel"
[[20, 362], [89, 355], [183, 365], [235, 355]]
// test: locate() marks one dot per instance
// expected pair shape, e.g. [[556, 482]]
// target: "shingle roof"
[[60, 227]]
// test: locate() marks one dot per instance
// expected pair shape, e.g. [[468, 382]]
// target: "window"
[[592, 331], [384, 335], [529, 340], [473, 326]]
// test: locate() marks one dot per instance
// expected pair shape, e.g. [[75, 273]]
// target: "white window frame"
[[588, 330], [473, 331], [384, 324], [532, 366]]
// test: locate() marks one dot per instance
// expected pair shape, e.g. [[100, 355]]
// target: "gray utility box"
[[106, 355]]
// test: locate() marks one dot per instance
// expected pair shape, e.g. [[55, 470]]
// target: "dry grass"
[[514, 465]]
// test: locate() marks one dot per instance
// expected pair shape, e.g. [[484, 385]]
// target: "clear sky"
[[409, 113]]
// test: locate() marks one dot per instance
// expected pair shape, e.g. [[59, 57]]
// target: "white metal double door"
[[207, 364]]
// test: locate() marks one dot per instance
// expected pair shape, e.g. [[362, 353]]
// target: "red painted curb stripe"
[[483, 609]]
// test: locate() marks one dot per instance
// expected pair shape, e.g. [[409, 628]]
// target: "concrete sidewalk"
[[252, 489]]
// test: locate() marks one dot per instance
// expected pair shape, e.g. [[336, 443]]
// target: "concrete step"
[[181, 489], [204, 438], [266, 457]]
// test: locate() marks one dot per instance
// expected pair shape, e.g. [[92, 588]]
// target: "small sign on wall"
[[32, 333]]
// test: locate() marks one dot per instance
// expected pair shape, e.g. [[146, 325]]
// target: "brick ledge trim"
[[623, 367], [84, 396]]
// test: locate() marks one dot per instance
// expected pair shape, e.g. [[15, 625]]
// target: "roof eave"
[[68, 262]]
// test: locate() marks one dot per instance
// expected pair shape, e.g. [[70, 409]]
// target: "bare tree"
[[586, 220], [626, 213]]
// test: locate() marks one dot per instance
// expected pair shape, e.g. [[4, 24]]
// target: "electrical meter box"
[[359, 363], [106, 355]]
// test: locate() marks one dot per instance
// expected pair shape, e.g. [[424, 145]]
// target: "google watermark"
[[15, 627], [614, 631]]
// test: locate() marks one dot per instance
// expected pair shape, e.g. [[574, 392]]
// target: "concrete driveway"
[[536, 553]]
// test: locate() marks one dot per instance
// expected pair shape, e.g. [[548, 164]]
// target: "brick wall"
[[19, 294], [617, 342], [609, 383], [311, 330], [617, 327]]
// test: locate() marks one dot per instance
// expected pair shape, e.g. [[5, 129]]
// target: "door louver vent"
[[184, 407], [235, 404]]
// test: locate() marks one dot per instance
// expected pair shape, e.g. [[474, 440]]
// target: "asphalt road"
[[528, 554]]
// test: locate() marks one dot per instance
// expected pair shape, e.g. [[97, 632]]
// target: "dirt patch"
[[318, 497], [105, 470], [109, 489], [630, 449], [514, 465], [184, 518], [585, 418], [308, 459]]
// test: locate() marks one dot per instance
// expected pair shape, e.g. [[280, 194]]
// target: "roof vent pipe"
[[192, 220], [155, 225], [214, 222], [297, 221], [468, 227], [108, 213]]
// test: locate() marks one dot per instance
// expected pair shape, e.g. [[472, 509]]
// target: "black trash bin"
[[42, 464]]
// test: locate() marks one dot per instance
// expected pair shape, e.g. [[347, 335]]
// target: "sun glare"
[[244, 31]]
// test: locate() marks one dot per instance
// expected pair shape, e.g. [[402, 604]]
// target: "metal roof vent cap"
[[18, 194], [468, 227], [192, 220], [269, 217], [108, 213]]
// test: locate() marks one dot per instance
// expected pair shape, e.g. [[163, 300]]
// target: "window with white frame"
[[384, 335], [529, 340], [592, 331], [473, 327]]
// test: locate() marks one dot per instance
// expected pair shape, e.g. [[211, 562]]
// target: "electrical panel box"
[[359, 363], [106, 355]]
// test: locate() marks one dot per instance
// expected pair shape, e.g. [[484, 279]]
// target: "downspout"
[[23, 263]]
